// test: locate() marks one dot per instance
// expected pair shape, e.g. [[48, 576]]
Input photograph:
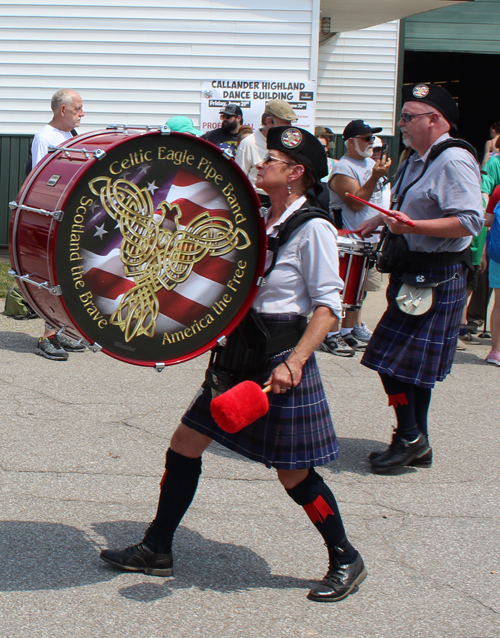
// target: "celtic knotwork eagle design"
[[156, 257]]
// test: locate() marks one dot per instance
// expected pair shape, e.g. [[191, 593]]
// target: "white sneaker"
[[361, 332]]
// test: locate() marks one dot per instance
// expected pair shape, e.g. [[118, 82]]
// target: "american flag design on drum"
[[165, 254]]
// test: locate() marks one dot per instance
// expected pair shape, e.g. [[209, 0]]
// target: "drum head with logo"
[[160, 248]]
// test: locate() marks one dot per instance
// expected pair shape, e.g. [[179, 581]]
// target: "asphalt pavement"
[[82, 455]]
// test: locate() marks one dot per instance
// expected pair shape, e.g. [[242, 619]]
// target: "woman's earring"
[[289, 189]]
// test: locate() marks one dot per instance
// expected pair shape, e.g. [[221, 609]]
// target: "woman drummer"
[[297, 433]]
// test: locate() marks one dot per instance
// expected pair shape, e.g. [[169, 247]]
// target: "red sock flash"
[[395, 400], [318, 510]]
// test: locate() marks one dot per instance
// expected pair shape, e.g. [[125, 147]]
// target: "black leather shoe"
[[423, 461], [339, 582], [375, 455], [139, 558], [400, 453]]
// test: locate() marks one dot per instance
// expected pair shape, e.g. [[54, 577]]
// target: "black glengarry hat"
[[301, 145], [435, 96]]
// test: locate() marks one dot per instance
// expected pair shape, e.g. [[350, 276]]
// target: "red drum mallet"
[[240, 406]]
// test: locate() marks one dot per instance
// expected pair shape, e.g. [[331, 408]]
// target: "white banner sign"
[[251, 96]]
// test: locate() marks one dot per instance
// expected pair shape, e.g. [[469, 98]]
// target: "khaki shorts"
[[374, 280]]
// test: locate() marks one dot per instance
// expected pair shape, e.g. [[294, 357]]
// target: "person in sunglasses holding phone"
[[437, 189], [359, 174]]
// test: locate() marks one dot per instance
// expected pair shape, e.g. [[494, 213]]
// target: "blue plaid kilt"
[[296, 433], [419, 349]]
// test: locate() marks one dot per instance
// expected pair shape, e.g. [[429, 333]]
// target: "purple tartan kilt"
[[419, 349], [296, 433]]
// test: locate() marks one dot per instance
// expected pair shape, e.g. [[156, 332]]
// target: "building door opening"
[[471, 79]]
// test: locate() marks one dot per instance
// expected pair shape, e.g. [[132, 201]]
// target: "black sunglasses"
[[366, 138], [408, 117]]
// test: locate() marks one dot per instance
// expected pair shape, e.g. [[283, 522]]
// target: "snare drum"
[[146, 244], [354, 258]]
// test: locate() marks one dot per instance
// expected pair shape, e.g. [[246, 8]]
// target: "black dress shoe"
[[339, 582], [400, 453], [139, 558], [423, 461]]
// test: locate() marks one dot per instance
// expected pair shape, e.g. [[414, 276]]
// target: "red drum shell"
[[181, 240], [354, 259]]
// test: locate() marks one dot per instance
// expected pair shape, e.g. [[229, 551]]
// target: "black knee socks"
[[422, 403], [178, 488], [411, 405], [314, 495]]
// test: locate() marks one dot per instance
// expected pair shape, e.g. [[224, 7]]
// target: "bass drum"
[[146, 244]]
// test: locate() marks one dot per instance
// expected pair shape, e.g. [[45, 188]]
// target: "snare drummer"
[[411, 349], [67, 109], [359, 174]]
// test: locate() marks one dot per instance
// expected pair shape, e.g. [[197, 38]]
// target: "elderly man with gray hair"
[[67, 109]]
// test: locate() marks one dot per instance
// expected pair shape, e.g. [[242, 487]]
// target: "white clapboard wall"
[[357, 78], [140, 63]]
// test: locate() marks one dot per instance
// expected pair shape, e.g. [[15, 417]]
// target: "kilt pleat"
[[296, 433], [419, 349]]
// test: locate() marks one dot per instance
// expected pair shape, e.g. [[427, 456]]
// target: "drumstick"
[[409, 222]]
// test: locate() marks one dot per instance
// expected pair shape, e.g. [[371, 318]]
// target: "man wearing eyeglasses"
[[438, 192], [226, 136], [358, 174]]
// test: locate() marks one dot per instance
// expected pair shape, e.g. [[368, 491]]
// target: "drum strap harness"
[[393, 253], [255, 341]]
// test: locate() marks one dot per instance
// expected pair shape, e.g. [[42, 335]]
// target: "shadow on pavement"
[[17, 342], [50, 556], [462, 358], [354, 456], [198, 562], [37, 556]]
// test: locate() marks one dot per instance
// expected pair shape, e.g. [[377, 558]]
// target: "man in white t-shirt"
[[67, 109], [253, 148], [358, 174]]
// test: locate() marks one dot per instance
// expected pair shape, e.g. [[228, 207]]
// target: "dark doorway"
[[470, 78]]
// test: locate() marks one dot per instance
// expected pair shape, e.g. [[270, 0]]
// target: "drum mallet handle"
[[409, 222]]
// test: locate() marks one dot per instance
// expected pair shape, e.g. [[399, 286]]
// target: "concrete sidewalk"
[[82, 455]]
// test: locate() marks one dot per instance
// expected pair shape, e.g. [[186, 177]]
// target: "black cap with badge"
[[435, 96], [301, 145], [357, 128]]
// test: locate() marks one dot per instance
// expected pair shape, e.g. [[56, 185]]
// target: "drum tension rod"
[[56, 214], [163, 128], [80, 341], [98, 153], [54, 290], [159, 367]]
